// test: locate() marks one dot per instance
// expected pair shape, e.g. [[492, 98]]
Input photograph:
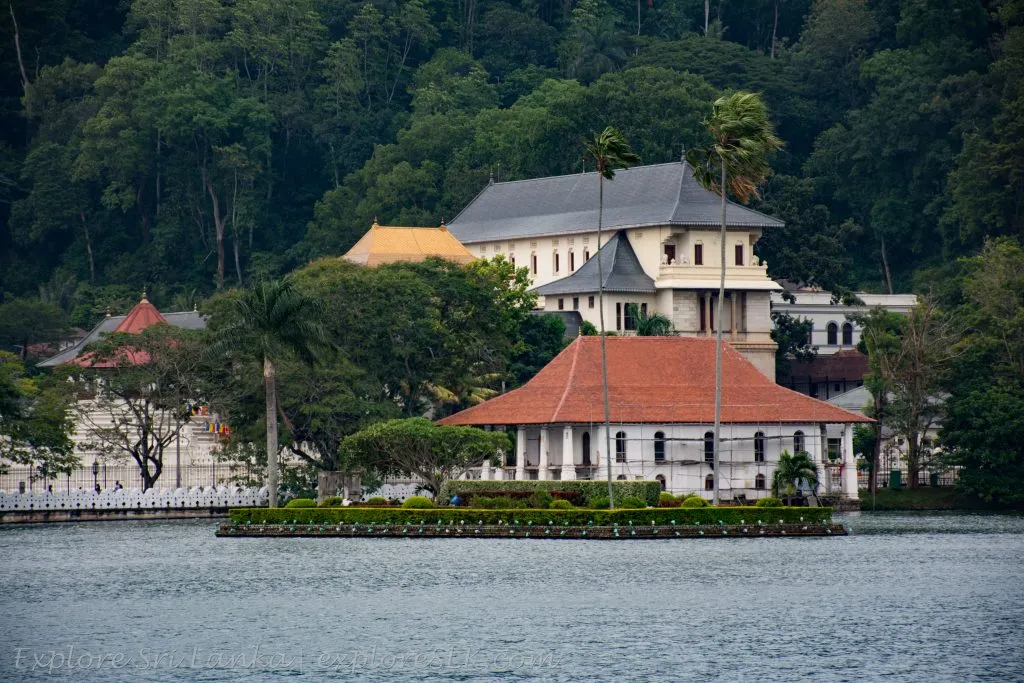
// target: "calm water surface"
[[906, 598]]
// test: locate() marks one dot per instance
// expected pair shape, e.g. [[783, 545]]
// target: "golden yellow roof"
[[387, 244]]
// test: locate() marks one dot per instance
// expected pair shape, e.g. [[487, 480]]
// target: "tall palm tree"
[[650, 324], [736, 161], [276, 319], [791, 471], [610, 151]]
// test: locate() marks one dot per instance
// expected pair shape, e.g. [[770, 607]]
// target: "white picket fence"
[[136, 499]]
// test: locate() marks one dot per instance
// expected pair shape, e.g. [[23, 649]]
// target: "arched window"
[[709, 482], [833, 334], [586, 448], [759, 481], [798, 442], [847, 334], [621, 477], [661, 480], [659, 446], [620, 447], [709, 447], [759, 447]]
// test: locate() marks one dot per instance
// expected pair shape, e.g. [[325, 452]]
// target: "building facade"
[[661, 240], [661, 395]]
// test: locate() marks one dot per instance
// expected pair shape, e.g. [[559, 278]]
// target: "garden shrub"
[[540, 500], [586, 489], [631, 502], [769, 502], [301, 503], [576, 517], [560, 504], [666, 497], [599, 503], [694, 502], [378, 500], [418, 502], [332, 502]]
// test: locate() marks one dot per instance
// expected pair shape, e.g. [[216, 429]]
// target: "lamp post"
[[95, 474]]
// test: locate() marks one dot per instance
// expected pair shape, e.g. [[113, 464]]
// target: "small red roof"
[[653, 380], [142, 316]]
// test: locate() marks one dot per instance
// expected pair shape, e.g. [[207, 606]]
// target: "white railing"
[[136, 499]]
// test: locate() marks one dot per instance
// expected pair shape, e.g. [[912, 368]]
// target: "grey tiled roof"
[[573, 321], [661, 194], [189, 320], [622, 272]]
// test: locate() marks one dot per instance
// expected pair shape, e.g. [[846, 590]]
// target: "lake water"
[[905, 598]]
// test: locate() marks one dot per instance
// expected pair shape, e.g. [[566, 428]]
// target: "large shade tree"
[[275, 320], [736, 161], [609, 151]]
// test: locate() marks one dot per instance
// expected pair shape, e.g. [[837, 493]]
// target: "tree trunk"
[[218, 223], [885, 268], [877, 459], [88, 248], [604, 338], [707, 13], [270, 386], [17, 49], [775, 28], [913, 457], [718, 347]]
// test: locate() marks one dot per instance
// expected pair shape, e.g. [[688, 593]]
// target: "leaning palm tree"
[[791, 471], [610, 151], [736, 161], [275, 319], [650, 324]]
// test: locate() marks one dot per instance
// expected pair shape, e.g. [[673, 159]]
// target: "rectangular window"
[[586, 255], [533, 263], [630, 316], [561, 304], [572, 261], [703, 314], [643, 308], [556, 262], [698, 254], [739, 254], [618, 316], [834, 449], [512, 259], [575, 303], [590, 302]]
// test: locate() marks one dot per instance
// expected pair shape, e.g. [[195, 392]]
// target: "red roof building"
[[143, 315], [661, 396]]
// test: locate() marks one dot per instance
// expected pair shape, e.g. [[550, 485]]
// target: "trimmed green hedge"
[[578, 517], [645, 490]]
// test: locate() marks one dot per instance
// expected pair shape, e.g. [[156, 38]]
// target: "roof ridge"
[[570, 175], [568, 382]]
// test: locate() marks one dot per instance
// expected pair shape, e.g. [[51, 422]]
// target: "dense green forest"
[[183, 146]]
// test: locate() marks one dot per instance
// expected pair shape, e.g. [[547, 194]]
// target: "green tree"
[[792, 337], [24, 322], [737, 162], [417, 447], [650, 324], [609, 152], [275, 320], [881, 331], [35, 420], [791, 472]]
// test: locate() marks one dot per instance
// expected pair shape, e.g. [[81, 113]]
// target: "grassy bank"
[[919, 499], [577, 517]]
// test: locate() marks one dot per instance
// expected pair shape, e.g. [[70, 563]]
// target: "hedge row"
[[645, 490], [579, 517]]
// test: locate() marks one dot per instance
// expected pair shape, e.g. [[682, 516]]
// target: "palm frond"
[[610, 151]]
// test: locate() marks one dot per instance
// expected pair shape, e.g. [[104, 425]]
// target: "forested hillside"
[[188, 145]]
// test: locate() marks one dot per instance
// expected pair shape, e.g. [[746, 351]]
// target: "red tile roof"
[[142, 316], [655, 380]]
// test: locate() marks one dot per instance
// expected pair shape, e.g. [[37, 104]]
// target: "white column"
[[568, 456], [542, 467], [521, 454], [849, 464], [485, 470]]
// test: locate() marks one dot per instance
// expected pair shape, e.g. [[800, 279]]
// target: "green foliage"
[[560, 505], [26, 322], [581, 517], [418, 502], [332, 502], [377, 500], [539, 499], [599, 503], [793, 337], [694, 502], [791, 472], [666, 497], [301, 503], [647, 491], [418, 447], [769, 502], [631, 502]]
